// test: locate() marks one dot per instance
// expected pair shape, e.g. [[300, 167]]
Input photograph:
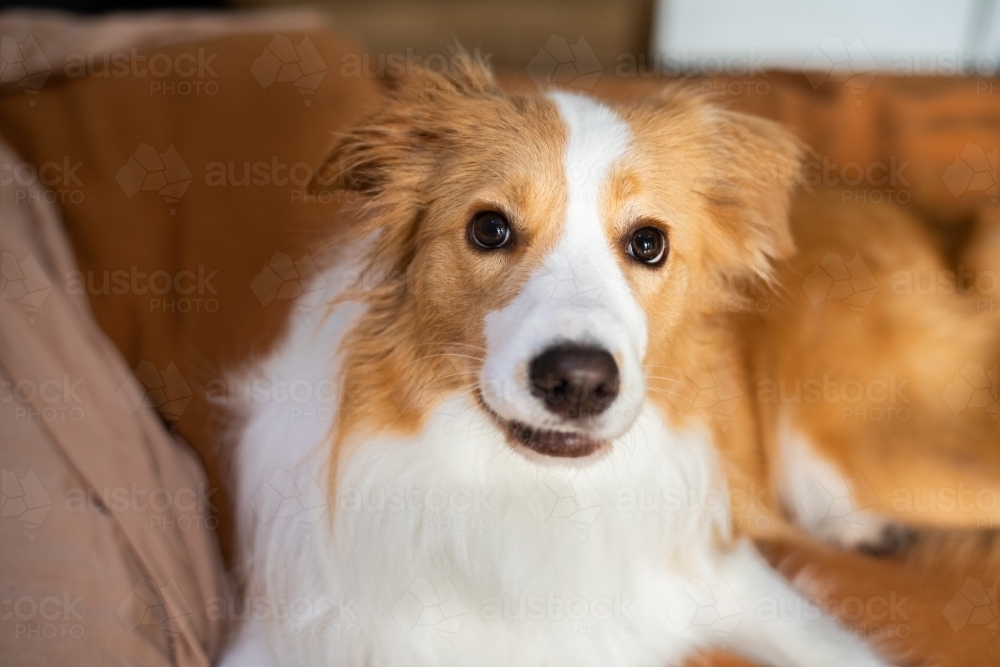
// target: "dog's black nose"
[[575, 381]]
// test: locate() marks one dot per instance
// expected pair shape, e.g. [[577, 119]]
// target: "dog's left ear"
[[753, 168]]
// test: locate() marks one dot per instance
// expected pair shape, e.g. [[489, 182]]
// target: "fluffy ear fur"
[[743, 167], [385, 169], [754, 167]]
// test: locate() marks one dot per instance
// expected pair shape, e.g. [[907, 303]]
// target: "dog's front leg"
[[779, 626]]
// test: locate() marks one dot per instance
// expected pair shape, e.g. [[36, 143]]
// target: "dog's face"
[[550, 243]]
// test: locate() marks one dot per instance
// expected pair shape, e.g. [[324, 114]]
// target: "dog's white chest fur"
[[449, 548], [473, 555]]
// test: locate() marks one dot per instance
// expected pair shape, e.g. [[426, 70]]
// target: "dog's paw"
[[878, 537], [895, 538], [833, 506]]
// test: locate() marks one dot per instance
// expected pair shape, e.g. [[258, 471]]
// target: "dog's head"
[[549, 245]]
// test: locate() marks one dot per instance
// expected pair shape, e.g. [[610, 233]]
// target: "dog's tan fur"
[[919, 446]]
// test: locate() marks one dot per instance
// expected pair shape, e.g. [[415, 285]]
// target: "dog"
[[526, 432]]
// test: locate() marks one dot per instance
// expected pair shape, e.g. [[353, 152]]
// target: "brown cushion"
[[170, 270], [114, 558]]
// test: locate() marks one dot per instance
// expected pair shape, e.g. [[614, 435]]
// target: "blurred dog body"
[[529, 326], [875, 376]]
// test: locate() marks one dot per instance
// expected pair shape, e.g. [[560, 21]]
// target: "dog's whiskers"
[[445, 354]]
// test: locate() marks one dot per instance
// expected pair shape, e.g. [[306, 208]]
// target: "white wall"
[[903, 36]]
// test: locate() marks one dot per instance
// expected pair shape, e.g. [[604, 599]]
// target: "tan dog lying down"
[[533, 299]]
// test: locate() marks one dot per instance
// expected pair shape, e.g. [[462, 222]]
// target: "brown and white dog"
[[549, 439]]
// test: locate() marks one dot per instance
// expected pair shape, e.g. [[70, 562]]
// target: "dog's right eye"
[[648, 245], [489, 230]]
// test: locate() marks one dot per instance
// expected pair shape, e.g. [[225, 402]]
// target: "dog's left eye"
[[648, 245], [489, 230]]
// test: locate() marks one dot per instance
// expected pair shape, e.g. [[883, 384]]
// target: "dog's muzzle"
[[575, 383]]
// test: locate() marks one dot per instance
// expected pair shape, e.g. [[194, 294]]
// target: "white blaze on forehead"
[[597, 138], [579, 294], [584, 261]]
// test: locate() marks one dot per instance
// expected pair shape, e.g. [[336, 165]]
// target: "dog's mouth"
[[547, 442], [553, 443]]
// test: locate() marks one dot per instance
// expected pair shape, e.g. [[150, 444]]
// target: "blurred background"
[[156, 232], [916, 36]]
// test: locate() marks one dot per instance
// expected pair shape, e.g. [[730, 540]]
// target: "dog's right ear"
[[744, 168], [384, 170]]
